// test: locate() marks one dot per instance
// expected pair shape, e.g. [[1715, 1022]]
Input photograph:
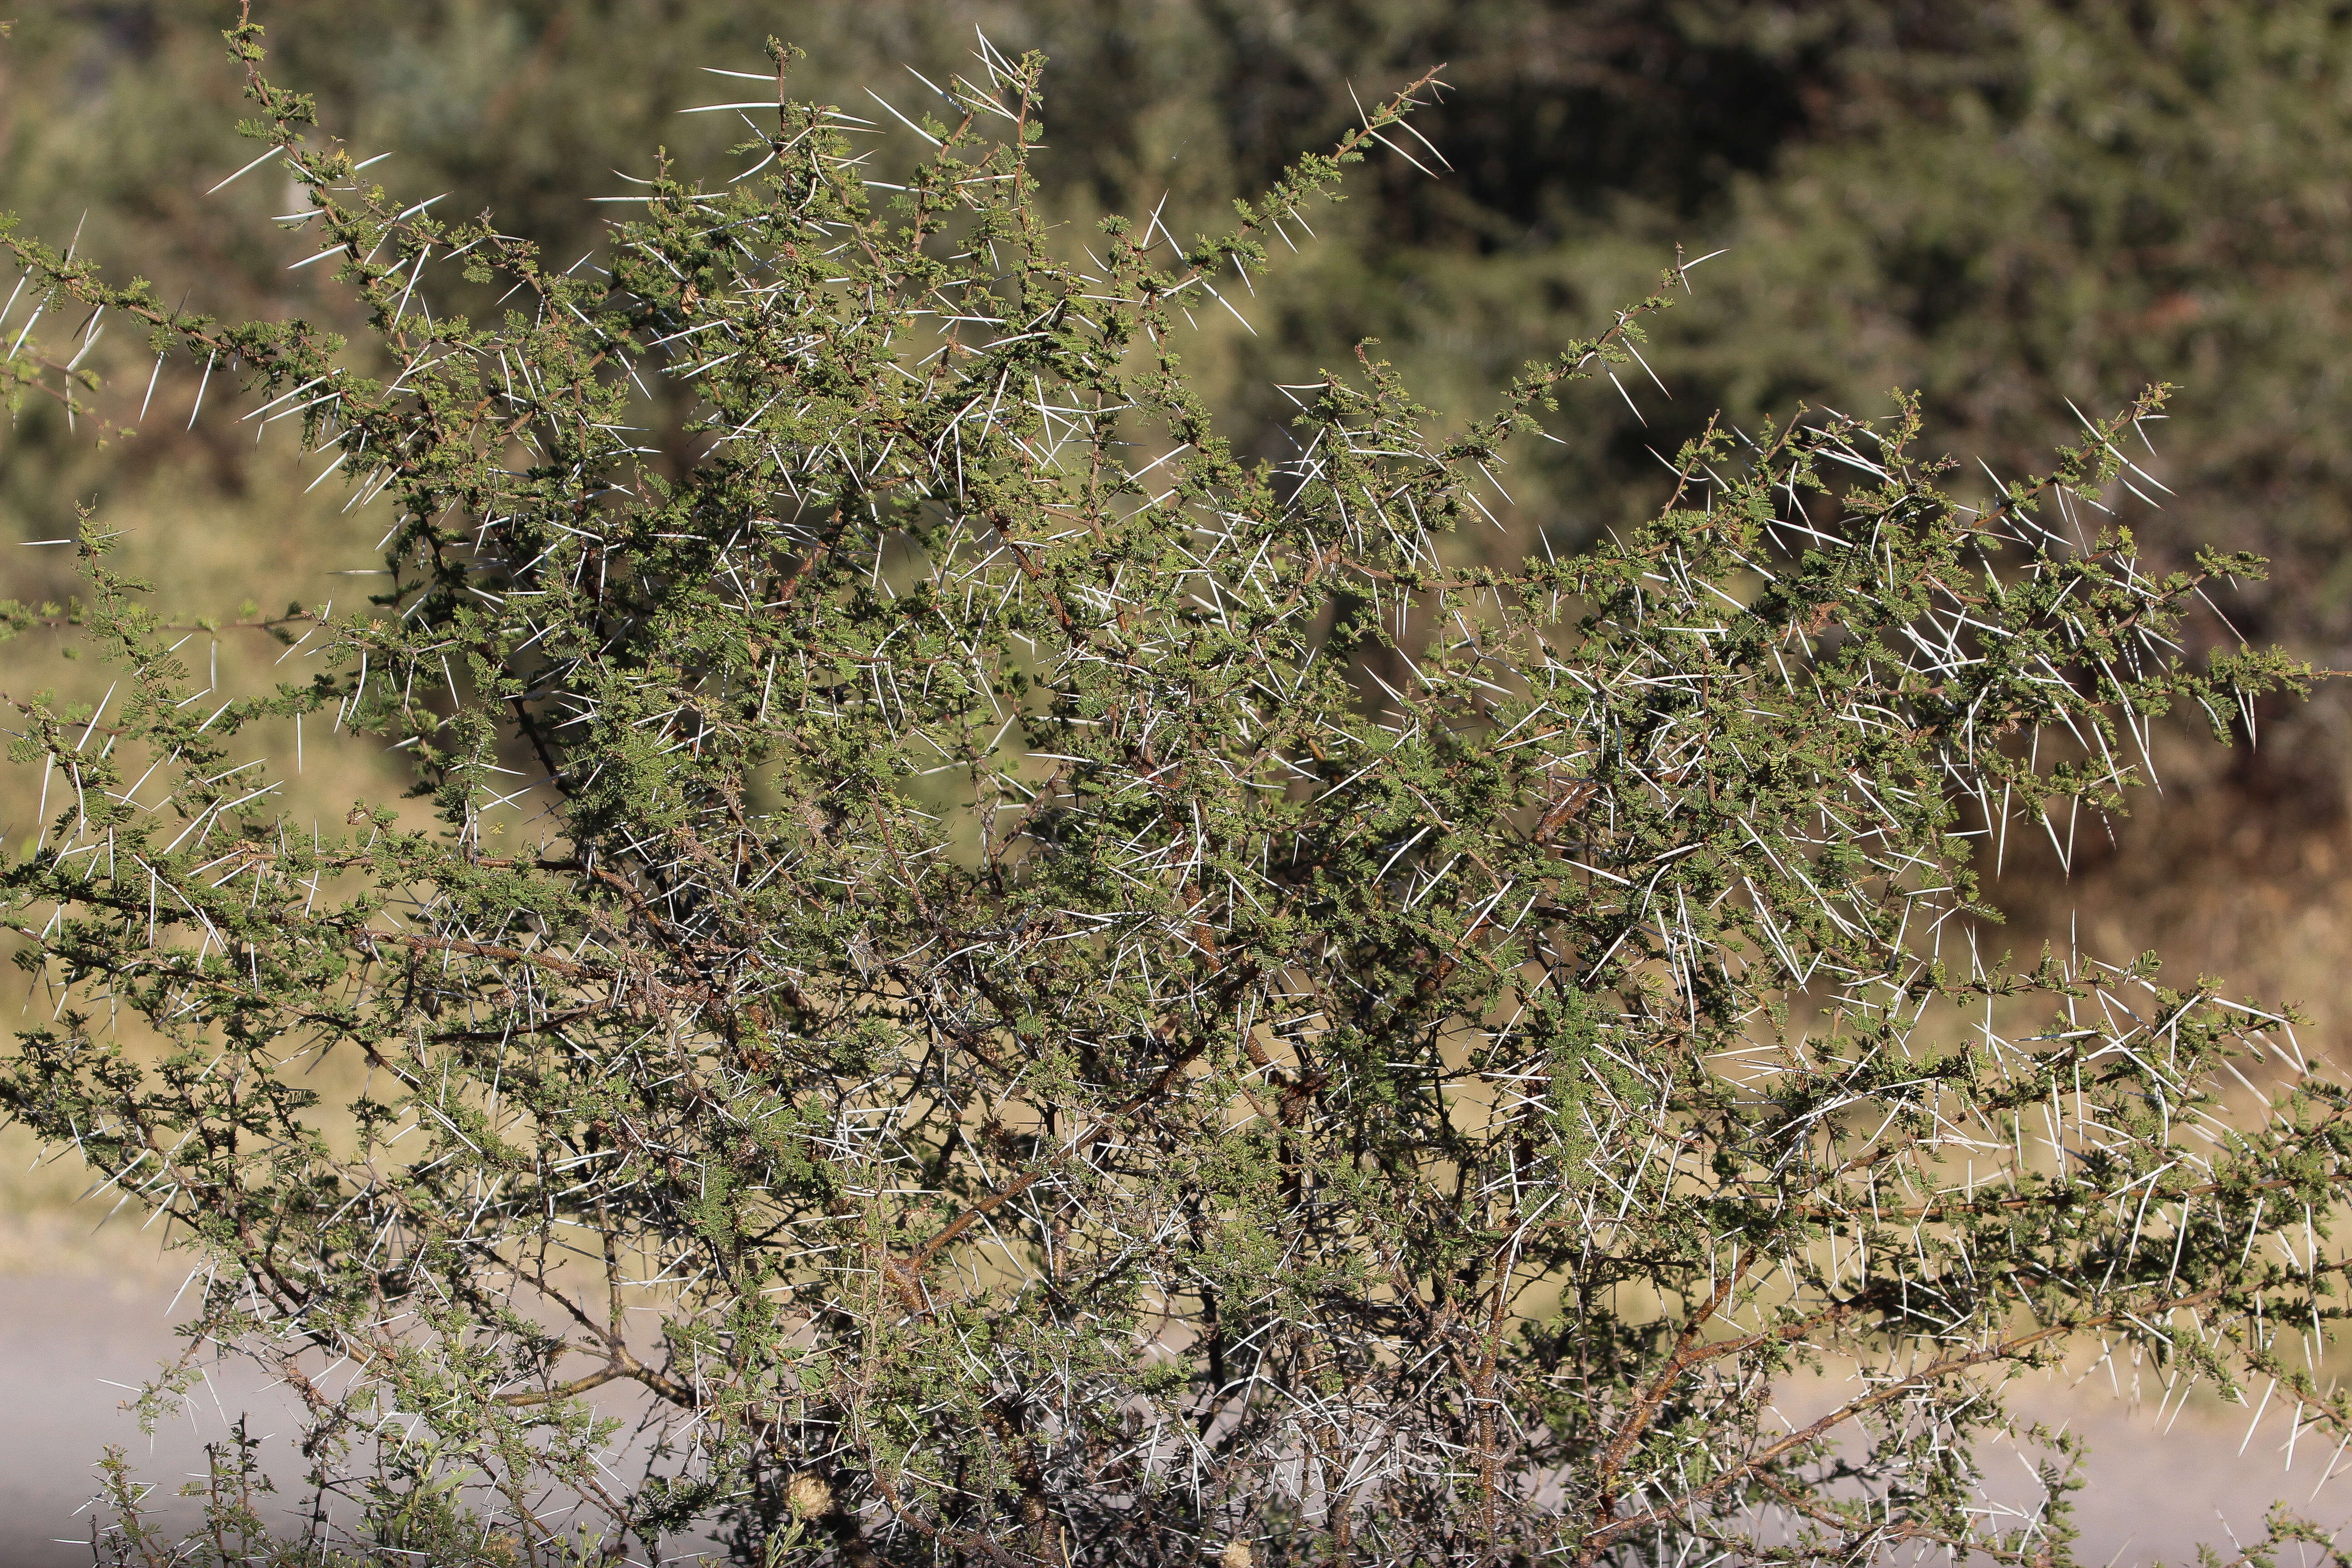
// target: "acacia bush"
[[993, 983]]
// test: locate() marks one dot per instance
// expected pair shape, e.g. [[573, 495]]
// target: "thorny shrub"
[[1071, 998]]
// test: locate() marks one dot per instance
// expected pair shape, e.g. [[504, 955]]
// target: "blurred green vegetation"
[[2012, 206]]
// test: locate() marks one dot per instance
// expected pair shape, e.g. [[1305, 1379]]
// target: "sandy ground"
[[67, 1343], [72, 1336]]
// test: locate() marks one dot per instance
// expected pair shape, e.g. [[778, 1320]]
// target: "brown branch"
[[1646, 1405]]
